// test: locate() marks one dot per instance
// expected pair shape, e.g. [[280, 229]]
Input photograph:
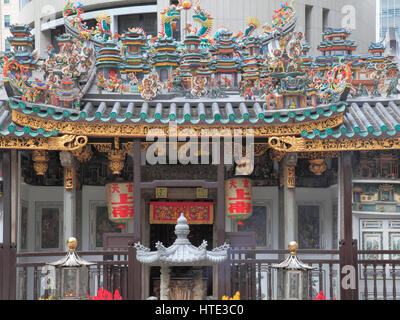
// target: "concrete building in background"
[[9, 10], [45, 16], [388, 16]]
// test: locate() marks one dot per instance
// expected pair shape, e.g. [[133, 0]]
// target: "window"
[[7, 46], [147, 21], [309, 227], [24, 225], [7, 22], [257, 223], [325, 19], [308, 24]]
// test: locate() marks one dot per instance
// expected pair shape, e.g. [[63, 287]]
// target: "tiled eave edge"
[[115, 117]]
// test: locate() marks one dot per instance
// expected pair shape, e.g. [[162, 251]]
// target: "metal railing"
[[110, 271], [248, 271]]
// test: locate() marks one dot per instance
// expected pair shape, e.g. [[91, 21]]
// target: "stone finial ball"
[[72, 243], [293, 246]]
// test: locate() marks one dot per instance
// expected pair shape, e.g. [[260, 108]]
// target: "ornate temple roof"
[[182, 252], [100, 85]]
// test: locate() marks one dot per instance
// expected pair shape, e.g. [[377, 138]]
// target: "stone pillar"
[[165, 276], [198, 288], [69, 209], [289, 197]]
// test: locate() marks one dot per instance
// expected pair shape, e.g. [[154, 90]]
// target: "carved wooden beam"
[[296, 144], [123, 130], [63, 143]]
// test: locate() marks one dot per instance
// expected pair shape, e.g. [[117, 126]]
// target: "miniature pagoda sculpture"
[[293, 276], [71, 274], [181, 254]]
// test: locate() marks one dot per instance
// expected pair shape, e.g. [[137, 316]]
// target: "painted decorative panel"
[[257, 223], [100, 223], [394, 244], [49, 225], [372, 241], [309, 227], [371, 224], [24, 226]]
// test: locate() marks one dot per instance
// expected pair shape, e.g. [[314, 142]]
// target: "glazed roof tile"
[[195, 112], [361, 119], [365, 120]]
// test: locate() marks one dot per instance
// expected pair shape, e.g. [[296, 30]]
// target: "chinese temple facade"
[[112, 137]]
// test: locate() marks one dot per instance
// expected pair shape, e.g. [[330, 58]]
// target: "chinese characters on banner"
[[120, 202], [169, 212], [238, 199]]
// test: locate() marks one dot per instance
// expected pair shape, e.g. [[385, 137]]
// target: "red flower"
[[321, 296], [106, 295]]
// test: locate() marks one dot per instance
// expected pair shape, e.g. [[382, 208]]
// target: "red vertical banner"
[[120, 202], [238, 199]]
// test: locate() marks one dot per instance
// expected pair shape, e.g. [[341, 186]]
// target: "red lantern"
[[120, 202], [238, 199]]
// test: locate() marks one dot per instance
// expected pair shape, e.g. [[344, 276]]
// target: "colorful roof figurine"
[[165, 56], [135, 56], [305, 57], [252, 60], [22, 45], [226, 62], [168, 20], [192, 56], [109, 56]]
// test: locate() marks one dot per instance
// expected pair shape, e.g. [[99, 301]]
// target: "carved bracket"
[[116, 156], [69, 178]]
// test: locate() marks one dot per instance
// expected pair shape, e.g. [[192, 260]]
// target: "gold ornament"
[[293, 246], [317, 166], [291, 177], [84, 154], [117, 161], [69, 178], [40, 159], [277, 155], [72, 243]]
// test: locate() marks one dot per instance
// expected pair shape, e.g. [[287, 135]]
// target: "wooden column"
[[137, 225], [348, 246], [7, 281], [6, 200], [220, 221]]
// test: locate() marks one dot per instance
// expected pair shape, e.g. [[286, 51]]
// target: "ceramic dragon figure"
[[168, 18], [252, 24], [285, 15], [205, 20], [74, 13], [103, 26]]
